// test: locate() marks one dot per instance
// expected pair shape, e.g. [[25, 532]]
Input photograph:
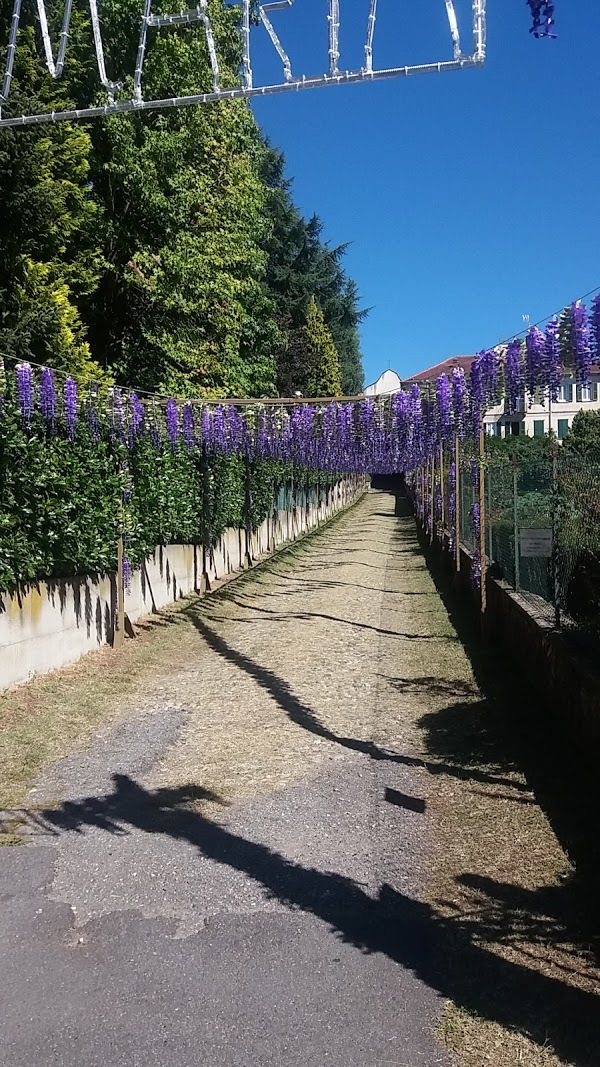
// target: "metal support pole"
[[482, 509], [489, 516], [442, 489], [432, 500], [556, 586], [119, 634], [457, 503], [248, 517], [516, 526], [204, 579]]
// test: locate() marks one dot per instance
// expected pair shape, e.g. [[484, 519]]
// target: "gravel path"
[[230, 877]]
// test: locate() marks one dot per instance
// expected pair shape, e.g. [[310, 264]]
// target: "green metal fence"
[[542, 531]]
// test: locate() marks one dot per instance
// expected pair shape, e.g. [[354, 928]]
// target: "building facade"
[[534, 415]]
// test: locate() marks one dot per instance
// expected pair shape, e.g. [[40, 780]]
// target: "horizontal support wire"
[[351, 77]]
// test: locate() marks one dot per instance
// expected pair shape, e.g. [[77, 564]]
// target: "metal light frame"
[[246, 90]]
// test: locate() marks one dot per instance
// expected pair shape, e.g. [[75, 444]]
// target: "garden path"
[[232, 873]]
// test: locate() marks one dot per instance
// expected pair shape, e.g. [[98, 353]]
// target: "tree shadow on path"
[[392, 924]]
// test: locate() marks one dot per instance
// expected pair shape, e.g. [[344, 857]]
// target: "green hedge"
[[61, 501]]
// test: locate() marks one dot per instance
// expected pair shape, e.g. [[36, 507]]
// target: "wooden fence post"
[[457, 503], [482, 560], [119, 634], [442, 489]]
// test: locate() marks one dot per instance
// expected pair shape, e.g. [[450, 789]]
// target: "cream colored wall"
[[50, 624]]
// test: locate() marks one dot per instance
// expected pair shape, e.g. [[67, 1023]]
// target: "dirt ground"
[[343, 657]]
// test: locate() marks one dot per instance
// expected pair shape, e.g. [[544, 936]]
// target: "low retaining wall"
[[559, 677], [49, 624]]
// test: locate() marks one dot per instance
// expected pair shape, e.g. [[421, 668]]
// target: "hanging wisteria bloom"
[[47, 401], [514, 376], [580, 341], [595, 327], [452, 505], [172, 421], [534, 361], [476, 516], [25, 393], [443, 408], [70, 407], [459, 400], [154, 426], [542, 18], [127, 573], [188, 427], [477, 396], [552, 360], [136, 417]]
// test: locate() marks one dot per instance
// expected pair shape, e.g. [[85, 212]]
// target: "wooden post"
[[204, 579], [555, 581], [247, 516], [432, 500], [457, 503], [516, 526], [119, 635], [442, 489], [482, 521]]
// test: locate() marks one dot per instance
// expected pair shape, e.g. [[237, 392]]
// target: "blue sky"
[[469, 199]]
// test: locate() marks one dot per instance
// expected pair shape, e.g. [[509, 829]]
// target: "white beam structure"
[[246, 89]]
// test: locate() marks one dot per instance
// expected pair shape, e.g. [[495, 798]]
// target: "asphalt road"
[[153, 919]]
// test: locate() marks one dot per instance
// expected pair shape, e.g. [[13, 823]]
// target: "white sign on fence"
[[536, 543]]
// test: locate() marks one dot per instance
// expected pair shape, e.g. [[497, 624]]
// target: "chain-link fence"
[[536, 519], [542, 531]]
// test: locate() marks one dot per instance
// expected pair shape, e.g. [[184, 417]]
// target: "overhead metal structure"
[[246, 89]]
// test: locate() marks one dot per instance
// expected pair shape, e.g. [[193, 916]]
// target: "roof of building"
[[388, 382], [445, 367]]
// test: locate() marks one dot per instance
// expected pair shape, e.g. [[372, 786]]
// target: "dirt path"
[[237, 868]]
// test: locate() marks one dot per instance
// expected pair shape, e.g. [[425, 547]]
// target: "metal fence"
[[534, 520]]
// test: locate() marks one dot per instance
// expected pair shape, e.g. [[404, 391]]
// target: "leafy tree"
[[50, 254], [301, 266], [324, 365], [583, 438]]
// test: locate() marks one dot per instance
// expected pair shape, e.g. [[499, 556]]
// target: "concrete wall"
[[50, 624], [557, 675]]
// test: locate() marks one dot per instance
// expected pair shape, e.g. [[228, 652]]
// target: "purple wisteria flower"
[[154, 426], [552, 360], [206, 428], [443, 394], [47, 400], [477, 395], [452, 505], [70, 407], [476, 517], [534, 361], [136, 417], [459, 400], [580, 341], [172, 422], [127, 574], [25, 393], [542, 18], [595, 327], [188, 426], [514, 375]]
